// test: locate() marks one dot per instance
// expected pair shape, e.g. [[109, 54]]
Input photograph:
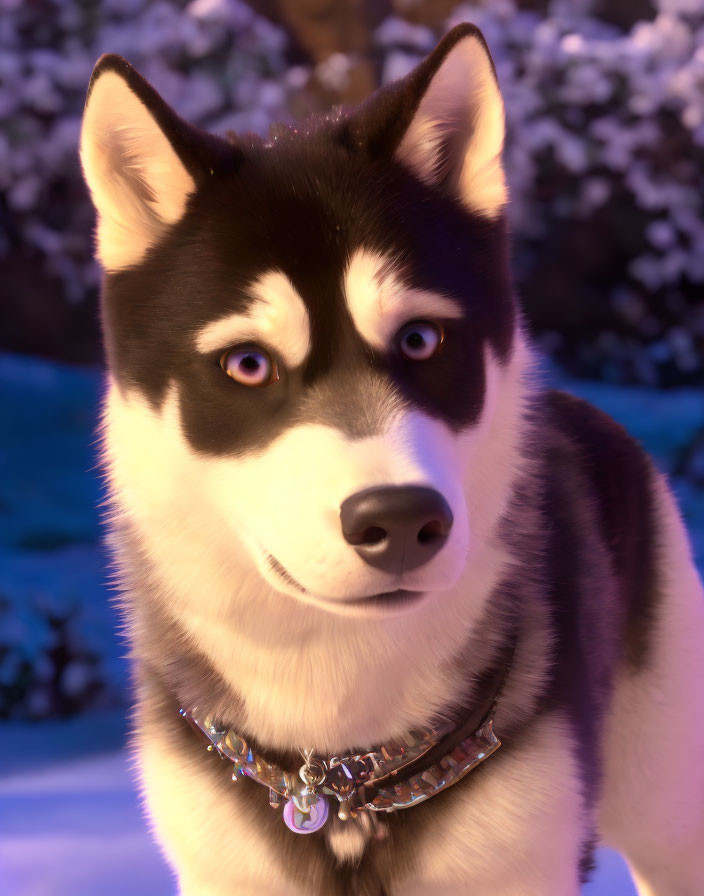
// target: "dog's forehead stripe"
[[277, 316], [380, 303]]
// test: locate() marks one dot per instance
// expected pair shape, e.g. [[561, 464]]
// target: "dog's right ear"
[[140, 160], [444, 121]]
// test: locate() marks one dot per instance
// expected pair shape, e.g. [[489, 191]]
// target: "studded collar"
[[396, 775]]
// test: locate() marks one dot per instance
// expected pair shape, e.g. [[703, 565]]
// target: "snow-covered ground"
[[70, 823]]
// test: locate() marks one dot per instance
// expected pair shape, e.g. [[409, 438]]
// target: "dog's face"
[[309, 339]]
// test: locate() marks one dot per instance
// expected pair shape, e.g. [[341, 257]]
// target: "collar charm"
[[307, 811]]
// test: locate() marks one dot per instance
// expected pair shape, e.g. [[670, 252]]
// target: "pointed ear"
[[445, 121], [140, 160]]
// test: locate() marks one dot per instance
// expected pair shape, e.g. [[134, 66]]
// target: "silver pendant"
[[307, 811]]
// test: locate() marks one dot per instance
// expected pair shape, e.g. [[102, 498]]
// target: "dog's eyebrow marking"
[[276, 317], [380, 303]]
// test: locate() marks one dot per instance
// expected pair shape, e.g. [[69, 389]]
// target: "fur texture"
[[321, 251]]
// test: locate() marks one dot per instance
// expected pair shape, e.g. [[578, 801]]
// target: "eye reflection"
[[419, 340], [249, 365]]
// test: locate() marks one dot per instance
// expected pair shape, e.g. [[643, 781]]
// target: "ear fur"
[[140, 160], [444, 121]]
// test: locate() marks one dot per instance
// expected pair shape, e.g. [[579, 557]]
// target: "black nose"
[[396, 528]]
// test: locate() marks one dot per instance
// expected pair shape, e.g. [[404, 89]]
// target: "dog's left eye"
[[250, 365], [419, 340]]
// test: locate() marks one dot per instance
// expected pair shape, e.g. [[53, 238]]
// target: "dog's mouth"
[[386, 601]]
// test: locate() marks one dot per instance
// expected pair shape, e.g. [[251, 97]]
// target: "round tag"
[[306, 822]]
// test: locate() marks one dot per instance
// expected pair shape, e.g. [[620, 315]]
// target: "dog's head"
[[312, 341]]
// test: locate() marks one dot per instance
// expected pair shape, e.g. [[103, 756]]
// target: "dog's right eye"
[[249, 365], [420, 340]]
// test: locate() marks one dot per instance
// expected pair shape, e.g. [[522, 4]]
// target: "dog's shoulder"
[[617, 479], [604, 449]]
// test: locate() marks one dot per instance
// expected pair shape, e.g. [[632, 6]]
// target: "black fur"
[[616, 469], [598, 527]]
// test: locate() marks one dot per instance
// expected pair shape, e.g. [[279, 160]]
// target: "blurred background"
[[605, 153]]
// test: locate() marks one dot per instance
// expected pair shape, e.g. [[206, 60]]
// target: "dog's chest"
[[521, 810]]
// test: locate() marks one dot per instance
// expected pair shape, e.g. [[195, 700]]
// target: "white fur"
[[380, 302], [653, 806], [277, 318], [204, 523], [516, 833], [138, 184], [378, 678], [462, 105], [348, 840], [199, 829]]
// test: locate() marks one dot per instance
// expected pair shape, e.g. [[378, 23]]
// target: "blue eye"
[[250, 366], [419, 340]]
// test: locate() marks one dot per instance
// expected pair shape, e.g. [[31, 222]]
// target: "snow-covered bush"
[[58, 642], [607, 164], [605, 154], [48, 666]]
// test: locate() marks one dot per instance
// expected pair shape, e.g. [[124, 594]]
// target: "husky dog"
[[340, 492]]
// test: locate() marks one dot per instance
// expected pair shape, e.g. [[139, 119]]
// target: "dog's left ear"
[[444, 121], [141, 162]]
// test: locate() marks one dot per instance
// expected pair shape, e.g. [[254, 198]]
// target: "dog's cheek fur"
[[285, 501]]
